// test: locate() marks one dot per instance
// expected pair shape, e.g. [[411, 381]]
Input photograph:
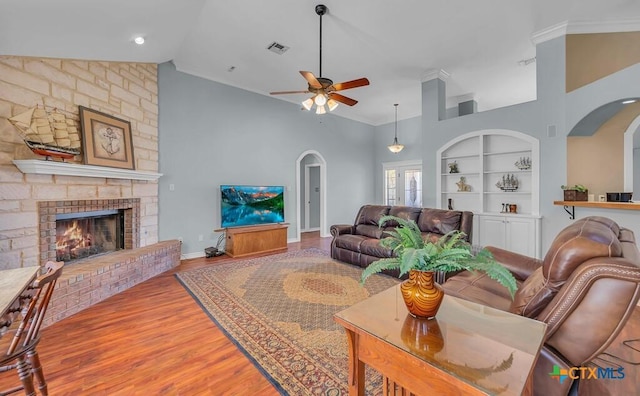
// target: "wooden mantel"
[[600, 205], [69, 169]]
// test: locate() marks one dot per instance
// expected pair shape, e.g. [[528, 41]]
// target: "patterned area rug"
[[279, 311]]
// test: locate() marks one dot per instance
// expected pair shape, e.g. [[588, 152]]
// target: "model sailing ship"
[[48, 132]]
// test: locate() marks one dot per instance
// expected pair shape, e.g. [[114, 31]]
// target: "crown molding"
[[585, 27], [581, 27], [550, 33], [464, 98], [433, 74]]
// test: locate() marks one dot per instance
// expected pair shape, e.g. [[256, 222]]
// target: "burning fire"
[[72, 239]]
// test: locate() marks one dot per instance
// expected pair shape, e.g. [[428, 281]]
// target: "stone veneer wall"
[[125, 90]]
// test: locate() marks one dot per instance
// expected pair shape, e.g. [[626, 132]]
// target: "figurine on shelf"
[[508, 183], [462, 185], [453, 167], [450, 204], [524, 163]]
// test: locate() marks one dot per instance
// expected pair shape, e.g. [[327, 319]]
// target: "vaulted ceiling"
[[482, 45]]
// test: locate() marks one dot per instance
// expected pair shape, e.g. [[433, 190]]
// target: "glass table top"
[[490, 349]]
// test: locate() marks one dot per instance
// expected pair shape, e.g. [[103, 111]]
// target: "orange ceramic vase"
[[422, 336], [422, 294]]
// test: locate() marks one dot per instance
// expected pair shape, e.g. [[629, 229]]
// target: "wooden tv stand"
[[245, 241]]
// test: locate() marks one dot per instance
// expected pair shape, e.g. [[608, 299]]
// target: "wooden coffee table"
[[466, 349]]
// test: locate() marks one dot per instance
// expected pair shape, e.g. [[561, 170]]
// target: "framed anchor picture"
[[106, 140]]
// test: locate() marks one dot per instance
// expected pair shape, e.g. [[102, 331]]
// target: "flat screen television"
[[251, 205]]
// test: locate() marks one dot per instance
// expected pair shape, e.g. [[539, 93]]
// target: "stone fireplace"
[[34, 191], [72, 230]]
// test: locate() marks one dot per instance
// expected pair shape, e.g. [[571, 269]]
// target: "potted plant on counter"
[[576, 192], [421, 259]]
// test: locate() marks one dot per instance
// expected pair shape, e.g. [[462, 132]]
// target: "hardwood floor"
[[154, 339]]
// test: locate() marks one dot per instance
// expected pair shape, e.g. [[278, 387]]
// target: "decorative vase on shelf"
[[421, 294]]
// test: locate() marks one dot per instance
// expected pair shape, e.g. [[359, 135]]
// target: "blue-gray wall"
[[410, 135], [549, 119], [212, 134]]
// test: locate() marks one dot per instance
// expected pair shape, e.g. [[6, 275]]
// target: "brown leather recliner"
[[585, 289]]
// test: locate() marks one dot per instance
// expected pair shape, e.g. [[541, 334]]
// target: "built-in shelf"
[[461, 174], [493, 154], [44, 167], [508, 171], [591, 204], [508, 192], [508, 152]]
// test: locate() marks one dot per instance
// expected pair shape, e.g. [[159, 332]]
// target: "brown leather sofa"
[[585, 289], [359, 243]]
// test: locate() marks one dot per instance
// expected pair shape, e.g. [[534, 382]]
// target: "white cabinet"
[[507, 216], [519, 234]]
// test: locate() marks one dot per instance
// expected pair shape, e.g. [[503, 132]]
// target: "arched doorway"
[[311, 159], [632, 157]]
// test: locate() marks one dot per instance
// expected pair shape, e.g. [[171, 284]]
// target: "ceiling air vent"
[[277, 48]]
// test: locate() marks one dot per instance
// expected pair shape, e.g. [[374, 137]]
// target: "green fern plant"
[[450, 253]]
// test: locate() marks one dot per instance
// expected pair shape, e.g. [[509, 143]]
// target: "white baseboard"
[[187, 256], [311, 229]]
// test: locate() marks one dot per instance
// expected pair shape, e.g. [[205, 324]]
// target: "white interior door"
[[312, 197]]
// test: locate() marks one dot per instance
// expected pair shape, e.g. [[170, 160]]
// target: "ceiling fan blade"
[[287, 92], [342, 99], [349, 84], [311, 79]]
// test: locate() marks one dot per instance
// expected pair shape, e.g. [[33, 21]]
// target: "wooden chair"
[[20, 331]]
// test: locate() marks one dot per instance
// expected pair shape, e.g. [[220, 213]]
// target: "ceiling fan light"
[[332, 104], [320, 100], [320, 110], [307, 103]]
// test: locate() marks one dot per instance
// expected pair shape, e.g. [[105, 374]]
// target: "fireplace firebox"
[[85, 234]]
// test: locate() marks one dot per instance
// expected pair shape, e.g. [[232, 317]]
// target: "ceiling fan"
[[324, 90]]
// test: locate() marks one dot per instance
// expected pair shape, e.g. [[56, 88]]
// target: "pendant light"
[[395, 147]]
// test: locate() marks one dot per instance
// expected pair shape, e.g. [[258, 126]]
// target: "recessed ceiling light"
[[139, 40], [630, 101]]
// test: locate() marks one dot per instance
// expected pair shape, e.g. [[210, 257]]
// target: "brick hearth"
[[84, 284], [88, 281]]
